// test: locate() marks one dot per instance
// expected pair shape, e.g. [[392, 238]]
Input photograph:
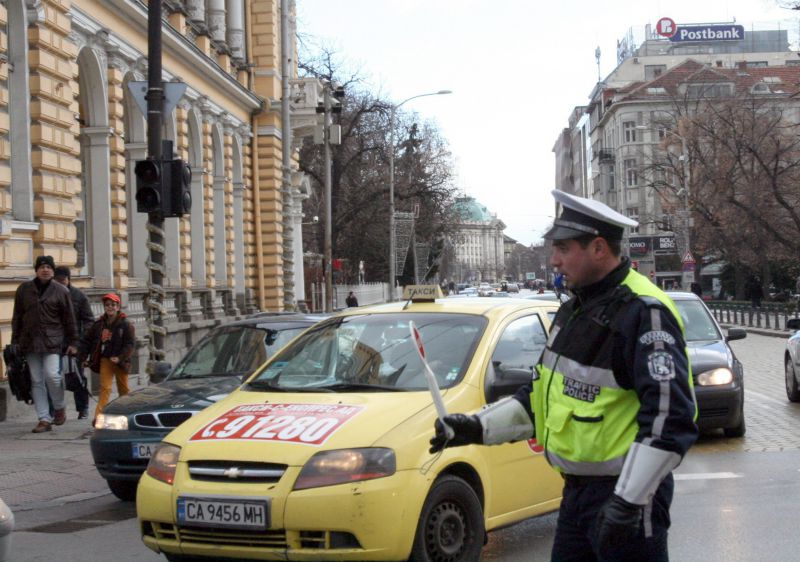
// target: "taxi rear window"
[[375, 353]]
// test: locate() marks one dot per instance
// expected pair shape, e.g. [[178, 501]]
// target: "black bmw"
[[131, 426]]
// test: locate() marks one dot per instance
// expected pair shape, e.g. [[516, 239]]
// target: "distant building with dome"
[[478, 243]]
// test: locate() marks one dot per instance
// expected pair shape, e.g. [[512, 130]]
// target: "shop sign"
[[639, 246], [665, 244]]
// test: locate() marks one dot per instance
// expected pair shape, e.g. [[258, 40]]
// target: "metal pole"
[[392, 250], [155, 221], [286, 163], [687, 179], [328, 213]]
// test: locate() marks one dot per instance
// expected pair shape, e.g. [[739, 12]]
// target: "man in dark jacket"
[[42, 326], [84, 320]]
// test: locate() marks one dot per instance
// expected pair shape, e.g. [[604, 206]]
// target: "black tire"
[[183, 558], [737, 431], [450, 527], [792, 390], [123, 489]]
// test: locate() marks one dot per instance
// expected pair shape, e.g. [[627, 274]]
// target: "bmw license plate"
[[143, 450], [231, 513]]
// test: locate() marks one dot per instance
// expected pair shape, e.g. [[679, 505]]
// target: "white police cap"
[[582, 216]]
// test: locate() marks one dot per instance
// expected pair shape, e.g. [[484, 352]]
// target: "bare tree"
[[360, 165]]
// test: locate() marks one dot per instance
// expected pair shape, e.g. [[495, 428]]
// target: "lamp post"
[[392, 249]]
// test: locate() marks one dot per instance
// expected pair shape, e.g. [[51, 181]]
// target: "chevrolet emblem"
[[232, 472]]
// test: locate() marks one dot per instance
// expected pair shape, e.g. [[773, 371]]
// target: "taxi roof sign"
[[422, 293]]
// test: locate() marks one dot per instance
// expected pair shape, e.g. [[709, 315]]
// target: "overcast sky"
[[517, 68]]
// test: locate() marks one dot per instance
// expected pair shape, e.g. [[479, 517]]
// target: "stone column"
[[197, 13], [216, 21], [235, 31], [238, 242], [95, 145]]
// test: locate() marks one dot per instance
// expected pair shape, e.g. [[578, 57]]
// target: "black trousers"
[[575, 533]]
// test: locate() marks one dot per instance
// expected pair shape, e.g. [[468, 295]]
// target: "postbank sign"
[[667, 28]]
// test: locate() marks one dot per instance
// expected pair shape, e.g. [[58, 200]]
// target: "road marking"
[[765, 398], [707, 476]]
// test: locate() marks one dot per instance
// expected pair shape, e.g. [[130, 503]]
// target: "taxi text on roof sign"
[[422, 293]]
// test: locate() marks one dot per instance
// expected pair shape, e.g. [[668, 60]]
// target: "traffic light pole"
[[155, 219]]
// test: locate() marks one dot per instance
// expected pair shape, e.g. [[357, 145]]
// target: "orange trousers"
[[108, 372]]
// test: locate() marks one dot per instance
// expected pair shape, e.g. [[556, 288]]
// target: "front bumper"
[[342, 522], [112, 451], [719, 406]]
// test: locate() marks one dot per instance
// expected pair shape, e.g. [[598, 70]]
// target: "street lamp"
[[392, 250]]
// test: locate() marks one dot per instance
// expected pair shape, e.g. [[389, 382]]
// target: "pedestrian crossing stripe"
[[707, 476]]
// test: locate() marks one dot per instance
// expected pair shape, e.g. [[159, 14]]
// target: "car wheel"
[[123, 489], [792, 390], [737, 431], [450, 528], [183, 558]]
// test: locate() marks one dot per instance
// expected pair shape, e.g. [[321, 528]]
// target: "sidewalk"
[[47, 469]]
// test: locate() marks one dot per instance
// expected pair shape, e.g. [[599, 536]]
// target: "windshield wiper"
[[270, 386], [266, 385], [346, 386]]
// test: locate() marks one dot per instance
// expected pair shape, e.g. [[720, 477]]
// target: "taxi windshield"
[[374, 353]]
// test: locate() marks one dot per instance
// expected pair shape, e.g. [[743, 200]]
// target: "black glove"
[[617, 524], [467, 430]]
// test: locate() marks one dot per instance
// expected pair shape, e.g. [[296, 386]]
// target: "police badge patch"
[[661, 366]]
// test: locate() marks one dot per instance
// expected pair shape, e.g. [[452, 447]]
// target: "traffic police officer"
[[611, 398]]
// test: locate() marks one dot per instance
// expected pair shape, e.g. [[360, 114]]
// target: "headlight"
[[715, 377], [163, 463], [327, 468], [107, 421]]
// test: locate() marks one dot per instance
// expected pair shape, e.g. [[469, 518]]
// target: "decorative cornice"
[[191, 55]]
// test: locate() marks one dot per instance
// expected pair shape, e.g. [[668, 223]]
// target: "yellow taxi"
[[322, 454]]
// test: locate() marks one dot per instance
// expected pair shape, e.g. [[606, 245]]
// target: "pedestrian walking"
[[83, 320], [696, 289], [43, 328], [611, 400], [351, 300], [107, 347], [753, 291]]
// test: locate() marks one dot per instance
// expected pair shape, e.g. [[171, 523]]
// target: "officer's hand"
[[467, 430], [617, 524]]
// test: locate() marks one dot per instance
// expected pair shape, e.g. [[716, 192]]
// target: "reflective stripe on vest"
[[587, 420]]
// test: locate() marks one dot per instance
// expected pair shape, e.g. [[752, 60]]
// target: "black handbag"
[[19, 376], [74, 380]]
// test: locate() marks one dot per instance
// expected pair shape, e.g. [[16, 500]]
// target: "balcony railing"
[[606, 154]]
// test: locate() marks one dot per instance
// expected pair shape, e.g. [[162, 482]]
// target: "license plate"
[[143, 450], [230, 513]]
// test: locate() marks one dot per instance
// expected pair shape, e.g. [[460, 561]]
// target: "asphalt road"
[[735, 498]]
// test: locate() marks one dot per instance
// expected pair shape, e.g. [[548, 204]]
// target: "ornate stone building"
[[479, 249], [70, 133]]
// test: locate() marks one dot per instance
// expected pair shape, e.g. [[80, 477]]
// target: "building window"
[[629, 131], [653, 70], [633, 213], [631, 173], [710, 90]]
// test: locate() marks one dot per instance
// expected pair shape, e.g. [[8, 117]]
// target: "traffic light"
[[148, 186], [177, 188]]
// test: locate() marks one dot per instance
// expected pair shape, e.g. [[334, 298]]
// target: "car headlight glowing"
[[327, 468], [715, 377], [107, 421], [163, 463]]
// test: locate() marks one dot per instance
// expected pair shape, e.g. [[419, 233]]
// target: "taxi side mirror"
[[504, 380]]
